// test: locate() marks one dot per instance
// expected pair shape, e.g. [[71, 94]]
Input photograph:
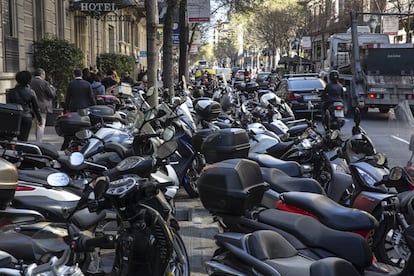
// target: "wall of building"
[[36, 19]]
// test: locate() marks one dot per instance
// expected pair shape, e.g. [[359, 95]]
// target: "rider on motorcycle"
[[333, 91]]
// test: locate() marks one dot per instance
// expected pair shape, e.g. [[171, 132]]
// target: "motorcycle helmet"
[[268, 99], [334, 76]]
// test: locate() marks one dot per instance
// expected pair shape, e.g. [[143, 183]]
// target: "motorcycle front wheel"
[[180, 263], [390, 245], [190, 182]]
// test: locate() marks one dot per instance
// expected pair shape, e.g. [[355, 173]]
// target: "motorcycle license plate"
[[339, 113]]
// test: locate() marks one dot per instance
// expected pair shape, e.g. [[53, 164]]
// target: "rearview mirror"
[[395, 173], [168, 133], [76, 158], [380, 158], [83, 134], [58, 179], [166, 149]]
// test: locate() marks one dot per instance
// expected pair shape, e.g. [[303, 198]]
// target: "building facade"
[[121, 29], [326, 17]]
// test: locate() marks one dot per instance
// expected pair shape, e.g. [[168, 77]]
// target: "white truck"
[[381, 75]]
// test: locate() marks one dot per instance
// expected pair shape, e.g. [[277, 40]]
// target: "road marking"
[[400, 139]]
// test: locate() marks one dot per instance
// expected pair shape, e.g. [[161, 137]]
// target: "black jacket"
[[79, 95], [26, 97], [332, 92]]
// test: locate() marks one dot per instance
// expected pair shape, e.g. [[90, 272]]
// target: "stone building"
[[95, 27]]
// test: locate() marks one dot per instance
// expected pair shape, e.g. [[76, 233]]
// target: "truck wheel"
[[383, 109]]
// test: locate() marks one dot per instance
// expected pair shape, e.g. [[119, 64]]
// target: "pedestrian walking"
[[127, 78], [45, 94], [26, 97], [109, 81], [79, 95], [97, 87]]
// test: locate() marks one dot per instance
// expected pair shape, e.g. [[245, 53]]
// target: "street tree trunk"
[[151, 7], [184, 32], [168, 57]]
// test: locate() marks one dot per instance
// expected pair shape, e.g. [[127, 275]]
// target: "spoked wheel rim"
[[193, 174], [392, 248], [180, 264]]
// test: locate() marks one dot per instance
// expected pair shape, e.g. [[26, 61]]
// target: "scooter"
[[235, 201], [254, 254], [334, 116]]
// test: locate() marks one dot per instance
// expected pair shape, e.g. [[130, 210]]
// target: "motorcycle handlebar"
[[88, 244]]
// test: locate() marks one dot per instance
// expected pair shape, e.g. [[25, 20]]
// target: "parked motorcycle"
[[147, 239], [237, 192]]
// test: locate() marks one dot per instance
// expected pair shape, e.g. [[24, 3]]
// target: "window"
[[11, 42], [111, 37], [126, 31], [39, 19]]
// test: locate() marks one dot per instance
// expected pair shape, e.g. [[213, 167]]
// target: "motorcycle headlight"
[[338, 168], [276, 117], [366, 177]]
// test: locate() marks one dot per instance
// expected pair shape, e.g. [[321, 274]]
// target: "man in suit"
[[45, 94], [79, 94]]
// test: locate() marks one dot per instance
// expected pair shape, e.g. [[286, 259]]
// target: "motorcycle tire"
[[190, 182], [389, 244], [180, 261]]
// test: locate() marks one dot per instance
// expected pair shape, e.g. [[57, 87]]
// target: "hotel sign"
[[103, 9], [98, 7]]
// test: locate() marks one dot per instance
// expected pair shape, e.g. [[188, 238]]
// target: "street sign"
[[390, 25], [176, 35], [198, 11], [143, 53]]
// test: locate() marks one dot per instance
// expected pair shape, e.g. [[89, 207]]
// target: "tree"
[[273, 30], [58, 58], [152, 49], [185, 43], [168, 58], [116, 62], [405, 7]]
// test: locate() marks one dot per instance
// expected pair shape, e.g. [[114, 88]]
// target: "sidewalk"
[[197, 226]]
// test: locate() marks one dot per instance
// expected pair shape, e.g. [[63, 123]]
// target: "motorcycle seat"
[[57, 211], [281, 182], [274, 250], [329, 212], [346, 245], [280, 148], [48, 149], [38, 176], [29, 249], [291, 168]]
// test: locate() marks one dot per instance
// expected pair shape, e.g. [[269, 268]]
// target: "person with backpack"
[[26, 97], [97, 87]]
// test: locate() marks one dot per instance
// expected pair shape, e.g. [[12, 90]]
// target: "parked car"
[[302, 92], [262, 79]]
